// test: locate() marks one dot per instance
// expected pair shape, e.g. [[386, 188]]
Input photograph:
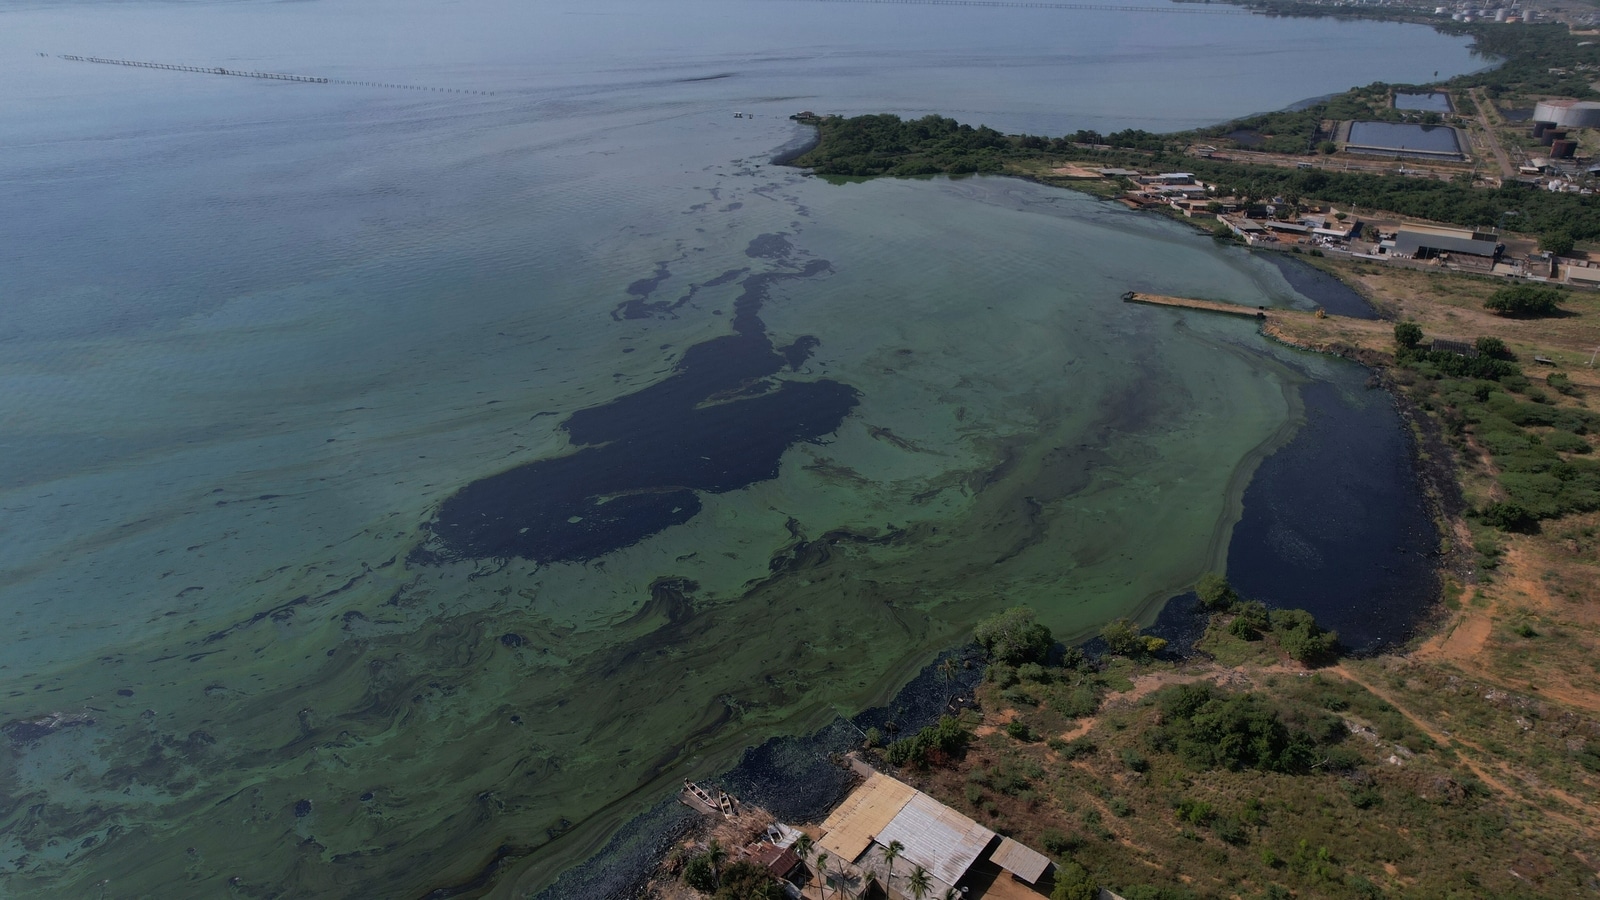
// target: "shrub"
[[1566, 442], [1076, 748], [932, 745], [1134, 761], [1082, 700], [874, 737], [1195, 812], [1215, 591], [1014, 637], [1507, 516], [1032, 672], [1301, 637], [698, 874], [1209, 729], [1019, 729], [1122, 637], [1495, 348], [744, 880], [1561, 383], [1057, 843], [1074, 883]]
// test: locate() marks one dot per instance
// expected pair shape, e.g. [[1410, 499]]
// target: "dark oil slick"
[[720, 422]]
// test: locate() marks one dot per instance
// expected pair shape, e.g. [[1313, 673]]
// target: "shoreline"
[[755, 778]]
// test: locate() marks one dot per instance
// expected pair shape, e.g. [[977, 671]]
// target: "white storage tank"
[[1569, 113]]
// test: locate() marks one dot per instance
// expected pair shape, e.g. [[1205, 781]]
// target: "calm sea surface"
[[254, 334]]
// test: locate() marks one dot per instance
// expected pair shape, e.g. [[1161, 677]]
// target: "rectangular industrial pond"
[[1428, 101], [1399, 139]]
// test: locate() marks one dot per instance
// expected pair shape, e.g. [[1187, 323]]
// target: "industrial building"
[[1429, 242], [952, 849]]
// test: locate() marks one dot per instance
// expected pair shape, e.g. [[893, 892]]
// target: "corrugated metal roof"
[[1408, 243], [937, 837], [863, 815], [780, 861], [1023, 862]]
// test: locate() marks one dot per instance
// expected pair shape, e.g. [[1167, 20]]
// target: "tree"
[[890, 854], [1014, 637], [1073, 883], [1407, 335], [1558, 242], [802, 847], [919, 882], [1493, 348], [698, 874], [822, 870], [1301, 637], [1327, 148], [1524, 300], [1215, 592]]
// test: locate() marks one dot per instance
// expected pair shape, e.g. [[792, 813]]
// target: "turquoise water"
[[256, 333]]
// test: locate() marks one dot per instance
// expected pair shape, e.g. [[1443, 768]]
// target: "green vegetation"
[[1407, 335], [1014, 637], [741, 881], [1215, 592], [1558, 242], [1073, 882], [1208, 729], [885, 145], [1525, 300], [935, 745], [1123, 638], [1532, 441]]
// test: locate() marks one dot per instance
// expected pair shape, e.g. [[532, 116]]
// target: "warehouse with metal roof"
[[944, 842]]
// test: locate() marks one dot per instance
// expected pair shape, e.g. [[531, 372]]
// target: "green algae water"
[[258, 335]]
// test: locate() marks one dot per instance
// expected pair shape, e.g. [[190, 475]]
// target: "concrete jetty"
[[1217, 306]]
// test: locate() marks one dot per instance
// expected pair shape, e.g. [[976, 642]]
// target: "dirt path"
[[1490, 137], [1526, 793]]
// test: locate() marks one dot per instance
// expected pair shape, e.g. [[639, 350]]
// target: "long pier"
[[1216, 306], [271, 76]]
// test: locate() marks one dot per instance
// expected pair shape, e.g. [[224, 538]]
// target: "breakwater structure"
[[272, 76], [1217, 306]]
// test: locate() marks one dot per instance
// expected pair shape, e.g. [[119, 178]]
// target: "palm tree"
[[890, 854], [822, 871], [919, 883], [948, 670], [716, 856], [951, 894]]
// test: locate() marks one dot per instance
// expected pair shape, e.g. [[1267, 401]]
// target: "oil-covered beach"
[[404, 490]]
